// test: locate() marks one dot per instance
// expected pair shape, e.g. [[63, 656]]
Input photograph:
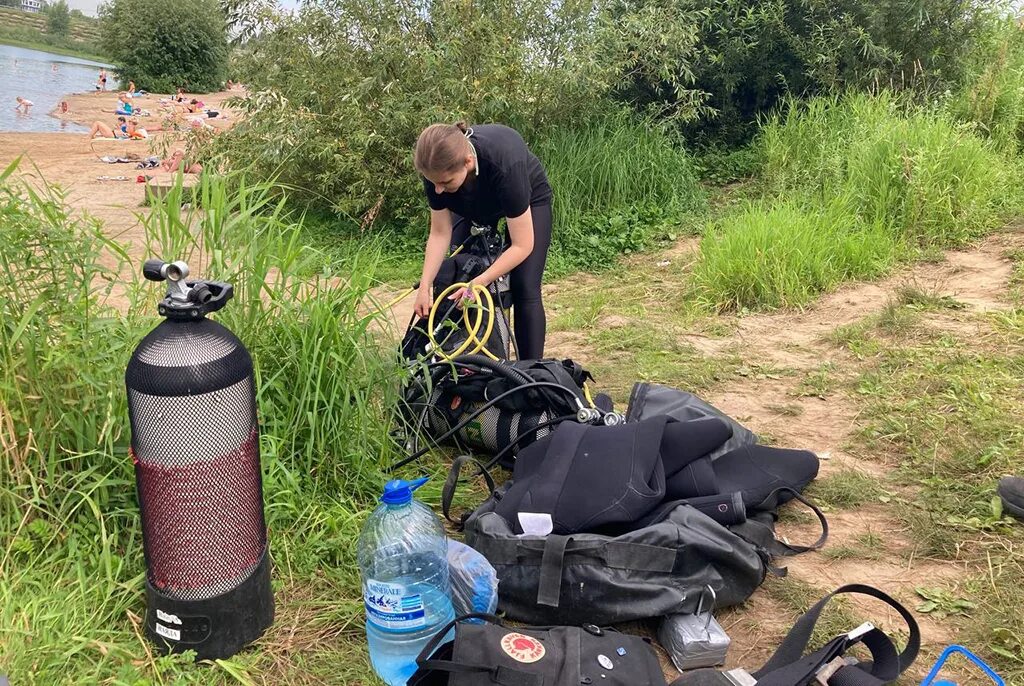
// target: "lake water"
[[43, 78]]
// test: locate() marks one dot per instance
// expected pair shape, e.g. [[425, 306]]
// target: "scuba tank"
[[195, 445]]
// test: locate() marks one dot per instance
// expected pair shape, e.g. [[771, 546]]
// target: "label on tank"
[[167, 632], [389, 607]]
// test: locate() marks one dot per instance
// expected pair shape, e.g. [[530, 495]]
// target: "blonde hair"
[[441, 148]]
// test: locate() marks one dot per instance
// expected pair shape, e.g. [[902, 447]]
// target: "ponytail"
[[441, 148]]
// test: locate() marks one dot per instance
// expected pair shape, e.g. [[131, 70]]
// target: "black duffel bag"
[[491, 654], [656, 570]]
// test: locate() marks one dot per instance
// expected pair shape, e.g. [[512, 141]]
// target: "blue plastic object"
[[399, 492], [930, 679]]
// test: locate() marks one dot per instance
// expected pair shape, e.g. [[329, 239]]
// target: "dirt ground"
[[980, 279]]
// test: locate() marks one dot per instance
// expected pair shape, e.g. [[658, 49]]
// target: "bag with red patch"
[[491, 654]]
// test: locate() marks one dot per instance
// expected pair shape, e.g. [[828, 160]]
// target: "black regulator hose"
[[476, 413]]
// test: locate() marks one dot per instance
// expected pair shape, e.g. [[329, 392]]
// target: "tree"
[[163, 45], [58, 19]]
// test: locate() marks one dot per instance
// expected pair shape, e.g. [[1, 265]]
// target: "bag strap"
[[786, 548], [788, 666], [452, 482], [763, 535], [502, 676], [549, 587]]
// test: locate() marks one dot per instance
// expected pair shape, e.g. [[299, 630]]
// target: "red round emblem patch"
[[522, 648]]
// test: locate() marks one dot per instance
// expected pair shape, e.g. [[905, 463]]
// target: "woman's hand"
[[466, 292], [424, 301], [460, 295]]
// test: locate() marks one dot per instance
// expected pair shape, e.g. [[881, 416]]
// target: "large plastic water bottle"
[[403, 559]]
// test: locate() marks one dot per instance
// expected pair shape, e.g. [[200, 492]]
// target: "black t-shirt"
[[510, 179]]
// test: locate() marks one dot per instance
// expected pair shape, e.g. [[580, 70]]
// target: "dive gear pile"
[[611, 523]]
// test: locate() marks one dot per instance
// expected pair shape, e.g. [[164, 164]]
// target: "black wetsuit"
[[509, 179]]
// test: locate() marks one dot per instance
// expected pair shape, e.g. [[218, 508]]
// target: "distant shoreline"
[[43, 47]]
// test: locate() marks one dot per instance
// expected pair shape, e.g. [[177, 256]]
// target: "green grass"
[[917, 172], [29, 37], [991, 99], [846, 488], [619, 185], [71, 562], [817, 383], [948, 413], [783, 254], [850, 186], [867, 546]]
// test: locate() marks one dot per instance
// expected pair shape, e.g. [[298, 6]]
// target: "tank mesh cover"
[[195, 443]]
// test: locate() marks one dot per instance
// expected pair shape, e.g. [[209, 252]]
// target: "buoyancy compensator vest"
[[476, 403]]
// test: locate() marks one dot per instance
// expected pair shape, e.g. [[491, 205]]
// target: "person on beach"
[[199, 107], [176, 162], [123, 105], [104, 131], [101, 83], [135, 132], [180, 95], [23, 104]]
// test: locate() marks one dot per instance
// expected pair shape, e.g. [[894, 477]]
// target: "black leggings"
[[524, 282]]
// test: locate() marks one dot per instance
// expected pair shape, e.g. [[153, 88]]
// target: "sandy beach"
[[73, 162]]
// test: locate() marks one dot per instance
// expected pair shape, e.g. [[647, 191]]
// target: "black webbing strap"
[[452, 482], [797, 549], [789, 666], [763, 535], [549, 587]]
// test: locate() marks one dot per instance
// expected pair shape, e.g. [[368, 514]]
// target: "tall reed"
[[71, 564]]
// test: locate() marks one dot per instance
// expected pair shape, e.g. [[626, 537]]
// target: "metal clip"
[[827, 671], [700, 607], [857, 633]]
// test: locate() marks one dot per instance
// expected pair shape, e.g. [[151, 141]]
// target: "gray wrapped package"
[[473, 579], [697, 640]]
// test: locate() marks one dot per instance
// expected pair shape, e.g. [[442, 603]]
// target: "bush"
[[785, 254], [58, 19], [165, 45], [343, 89], [755, 52]]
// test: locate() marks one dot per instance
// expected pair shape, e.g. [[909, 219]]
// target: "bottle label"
[[388, 606]]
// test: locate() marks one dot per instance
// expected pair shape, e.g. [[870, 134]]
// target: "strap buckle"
[[822, 676], [860, 631]]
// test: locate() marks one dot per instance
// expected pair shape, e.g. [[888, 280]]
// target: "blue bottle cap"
[[399, 492]]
